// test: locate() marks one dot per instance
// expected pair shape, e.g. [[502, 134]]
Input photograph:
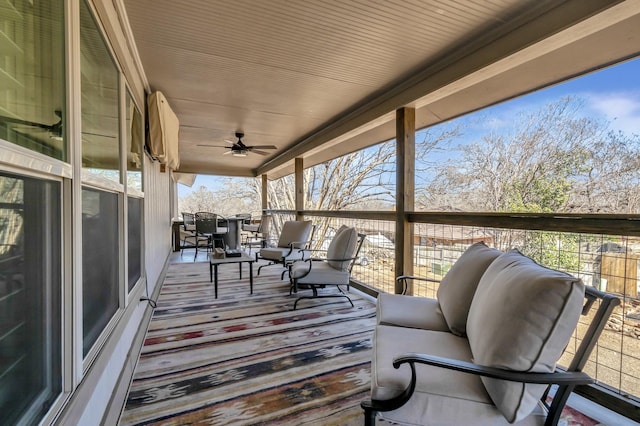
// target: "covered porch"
[[105, 105]]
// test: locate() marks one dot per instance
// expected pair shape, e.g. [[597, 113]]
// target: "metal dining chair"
[[213, 227]]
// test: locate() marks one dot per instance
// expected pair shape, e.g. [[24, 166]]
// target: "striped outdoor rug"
[[245, 359], [249, 360]]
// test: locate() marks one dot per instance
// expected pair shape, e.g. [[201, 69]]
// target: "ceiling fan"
[[54, 130], [239, 149]]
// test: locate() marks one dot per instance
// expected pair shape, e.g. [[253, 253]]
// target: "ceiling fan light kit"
[[239, 149]]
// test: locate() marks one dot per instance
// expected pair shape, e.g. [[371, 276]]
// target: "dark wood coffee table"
[[243, 258]]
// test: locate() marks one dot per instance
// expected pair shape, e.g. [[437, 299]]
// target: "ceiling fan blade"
[[228, 152], [99, 135], [259, 152], [230, 142], [264, 146], [54, 129], [214, 146], [21, 122], [30, 129], [36, 136]]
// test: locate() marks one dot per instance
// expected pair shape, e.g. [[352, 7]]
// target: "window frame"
[[21, 167]]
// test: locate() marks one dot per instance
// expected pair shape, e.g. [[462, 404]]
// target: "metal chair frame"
[[566, 380], [314, 287], [293, 246]]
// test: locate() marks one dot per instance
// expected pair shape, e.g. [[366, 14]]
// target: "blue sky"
[[612, 94], [211, 182]]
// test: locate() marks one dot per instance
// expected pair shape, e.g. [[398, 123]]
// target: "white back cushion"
[[342, 246], [295, 231], [521, 318], [458, 286]]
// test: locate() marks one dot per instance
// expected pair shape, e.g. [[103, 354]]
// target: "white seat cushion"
[[410, 311], [277, 253], [521, 318], [321, 273], [442, 397], [251, 227]]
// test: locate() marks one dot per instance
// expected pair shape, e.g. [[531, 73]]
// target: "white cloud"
[[622, 110], [495, 123]]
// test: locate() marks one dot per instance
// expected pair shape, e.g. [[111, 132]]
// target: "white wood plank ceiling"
[[320, 78]]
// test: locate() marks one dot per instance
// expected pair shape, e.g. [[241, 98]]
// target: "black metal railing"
[[603, 250]]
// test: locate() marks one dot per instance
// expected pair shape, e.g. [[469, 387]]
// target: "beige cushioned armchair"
[[334, 270], [435, 363], [294, 237]]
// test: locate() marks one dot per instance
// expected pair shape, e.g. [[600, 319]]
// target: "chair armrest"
[[316, 259], [292, 243], [557, 377], [314, 250], [292, 248], [413, 277], [404, 278], [324, 259]]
